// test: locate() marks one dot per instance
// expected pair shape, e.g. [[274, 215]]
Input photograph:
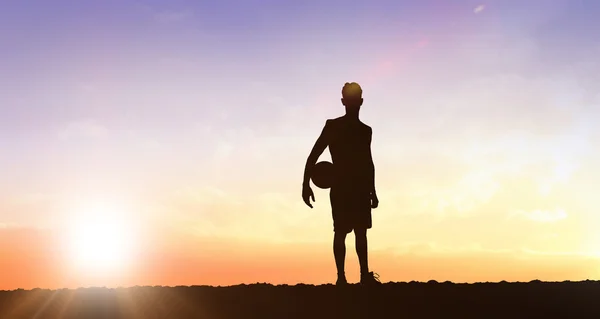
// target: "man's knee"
[[339, 236], [360, 233]]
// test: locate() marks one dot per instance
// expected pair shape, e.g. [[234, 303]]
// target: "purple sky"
[[140, 98]]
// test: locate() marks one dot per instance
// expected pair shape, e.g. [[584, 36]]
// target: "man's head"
[[352, 97]]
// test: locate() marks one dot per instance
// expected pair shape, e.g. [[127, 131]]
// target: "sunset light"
[[165, 142], [101, 241]]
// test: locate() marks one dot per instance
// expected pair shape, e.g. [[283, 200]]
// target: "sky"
[[164, 142]]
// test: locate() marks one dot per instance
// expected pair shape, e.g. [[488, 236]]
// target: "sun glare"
[[101, 241]]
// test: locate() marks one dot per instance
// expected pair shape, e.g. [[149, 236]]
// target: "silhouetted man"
[[352, 193]]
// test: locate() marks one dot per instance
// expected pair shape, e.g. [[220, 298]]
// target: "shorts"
[[350, 209]]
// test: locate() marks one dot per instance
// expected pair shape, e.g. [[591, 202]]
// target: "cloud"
[[505, 102], [541, 216], [502, 119], [462, 196], [487, 136], [173, 16], [31, 209], [274, 216], [165, 16], [85, 128], [479, 9], [8, 225], [469, 193], [33, 198], [424, 248], [223, 151], [87, 87]]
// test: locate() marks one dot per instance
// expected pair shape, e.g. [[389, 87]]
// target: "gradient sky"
[[192, 122]]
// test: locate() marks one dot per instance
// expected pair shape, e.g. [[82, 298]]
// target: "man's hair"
[[351, 91]]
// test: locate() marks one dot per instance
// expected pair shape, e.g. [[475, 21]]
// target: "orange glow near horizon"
[[167, 147]]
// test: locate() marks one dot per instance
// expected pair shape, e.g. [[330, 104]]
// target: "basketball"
[[322, 174]]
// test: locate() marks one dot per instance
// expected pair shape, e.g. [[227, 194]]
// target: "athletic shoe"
[[370, 278]]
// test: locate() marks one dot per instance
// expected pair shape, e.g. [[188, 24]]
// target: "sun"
[[101, 241]]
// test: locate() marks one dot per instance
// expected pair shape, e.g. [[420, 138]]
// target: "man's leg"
[[339, 252], [360, 236], [366, 277]]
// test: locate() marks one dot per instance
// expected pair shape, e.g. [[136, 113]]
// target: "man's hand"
[[374, 200], [307, 194]]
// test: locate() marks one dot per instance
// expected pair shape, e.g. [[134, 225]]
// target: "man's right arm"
[[371, 165], [318, 149]]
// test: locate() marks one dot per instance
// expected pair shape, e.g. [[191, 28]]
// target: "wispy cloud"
[[479, 8], [33, 198], [542, 216], [173, 16], [85, 128], [166, 15], [274, 216]]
